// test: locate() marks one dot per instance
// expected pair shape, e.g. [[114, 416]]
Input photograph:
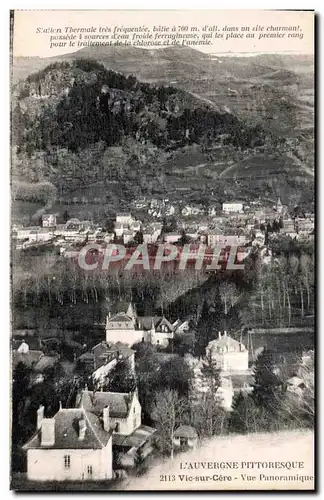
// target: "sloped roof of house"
[[67, 431], [119, 403], [145, 322], [224, 341], [186, 431], [136, 439], [87, 356], [105, 347], [104, 351], [120, 317]]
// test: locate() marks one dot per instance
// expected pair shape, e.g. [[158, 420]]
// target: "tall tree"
[[266, 387], [168, 412]]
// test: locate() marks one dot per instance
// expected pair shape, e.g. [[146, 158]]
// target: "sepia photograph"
[[162, 254]]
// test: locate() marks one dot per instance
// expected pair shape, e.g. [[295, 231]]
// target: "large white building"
[[228, 354], [129, 435], [74, 445], [126, 327], [233, 207]]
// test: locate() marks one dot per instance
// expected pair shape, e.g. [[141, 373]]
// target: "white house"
[[124, 218], [124, 409], [172, 237], [119, 229], [228, 354], [122, 327], [49, 220], [135, 226], [128, 236], [126, 327], [149, 236], [129, 435], [233, 207], [156, 329], [74, 445]]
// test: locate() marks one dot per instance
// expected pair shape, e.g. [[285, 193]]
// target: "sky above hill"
[[33, 28]]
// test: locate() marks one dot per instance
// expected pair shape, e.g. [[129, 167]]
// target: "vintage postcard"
[[162, 250]]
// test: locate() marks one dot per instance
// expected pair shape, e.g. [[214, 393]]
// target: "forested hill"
[[74, 106]]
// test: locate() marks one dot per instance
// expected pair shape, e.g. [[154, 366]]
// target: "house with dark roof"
[[228, 354], [103, 357], [126, 327], [156, 329], [185, 435], [74, 445], [129, 435]]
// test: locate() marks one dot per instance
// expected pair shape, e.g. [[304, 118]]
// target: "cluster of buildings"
[[238, 224], [103, 431], [82, 443], [127, 327], [72, 232]]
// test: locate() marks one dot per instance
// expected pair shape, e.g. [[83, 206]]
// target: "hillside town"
[[235, 224]]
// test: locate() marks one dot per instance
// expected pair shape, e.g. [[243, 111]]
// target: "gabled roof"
[[105, 347], [224, 341], [105, 352], [136, 439], [119, 403], [145, 322], [120, 317], [67, 431]]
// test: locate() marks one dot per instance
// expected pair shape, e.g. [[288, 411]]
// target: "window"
[[117, 427], [89, 470], [67, 461]]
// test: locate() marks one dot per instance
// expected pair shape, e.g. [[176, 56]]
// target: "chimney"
[[106, 420], [82, 428], [40, 416], [225, 333], [48, 432], [219, 335]]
